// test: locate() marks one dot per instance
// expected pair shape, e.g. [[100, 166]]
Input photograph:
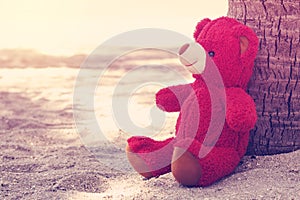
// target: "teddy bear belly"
[[227, 138], [195, 121]]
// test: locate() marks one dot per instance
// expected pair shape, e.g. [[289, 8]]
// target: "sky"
[[79, 26]]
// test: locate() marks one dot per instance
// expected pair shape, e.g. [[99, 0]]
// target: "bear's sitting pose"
[[201, 153]]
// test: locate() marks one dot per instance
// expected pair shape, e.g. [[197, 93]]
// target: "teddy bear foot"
[[138, 163], [148, 157], [185, 168]]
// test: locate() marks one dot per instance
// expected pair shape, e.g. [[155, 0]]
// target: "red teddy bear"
[[212, 129]]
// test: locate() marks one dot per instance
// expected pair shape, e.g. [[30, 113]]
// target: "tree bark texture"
[[275, 84]]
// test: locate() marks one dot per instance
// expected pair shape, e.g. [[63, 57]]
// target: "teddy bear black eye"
[[211, 53]]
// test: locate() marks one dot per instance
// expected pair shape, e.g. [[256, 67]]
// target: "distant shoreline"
[[23, 58], [29, 58]]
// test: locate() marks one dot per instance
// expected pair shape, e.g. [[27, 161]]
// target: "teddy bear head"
[[231, 46]]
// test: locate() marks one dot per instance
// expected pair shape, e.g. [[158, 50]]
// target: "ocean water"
[[122, 92]]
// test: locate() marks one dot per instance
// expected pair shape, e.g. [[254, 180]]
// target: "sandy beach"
[[43, 156]]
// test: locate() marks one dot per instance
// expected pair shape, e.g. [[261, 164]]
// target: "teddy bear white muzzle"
[[193, 56]]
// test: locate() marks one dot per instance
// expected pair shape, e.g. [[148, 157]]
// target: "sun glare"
[[67, 27]]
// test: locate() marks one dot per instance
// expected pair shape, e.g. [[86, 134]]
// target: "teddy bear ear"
[[248, 39], [200, 27], [244, 43]]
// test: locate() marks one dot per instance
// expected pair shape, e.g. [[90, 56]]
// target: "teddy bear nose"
[[183, 49]]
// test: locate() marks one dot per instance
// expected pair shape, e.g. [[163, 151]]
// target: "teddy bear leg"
[[191, 169], [185, 167], [150, 158], [218, 163]]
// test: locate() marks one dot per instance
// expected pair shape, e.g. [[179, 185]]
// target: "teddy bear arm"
[[240, 111], [171, 98]]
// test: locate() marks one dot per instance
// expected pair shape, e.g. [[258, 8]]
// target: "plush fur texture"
[[226, 38]]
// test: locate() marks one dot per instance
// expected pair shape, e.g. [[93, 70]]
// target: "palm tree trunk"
[[274, 84]]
